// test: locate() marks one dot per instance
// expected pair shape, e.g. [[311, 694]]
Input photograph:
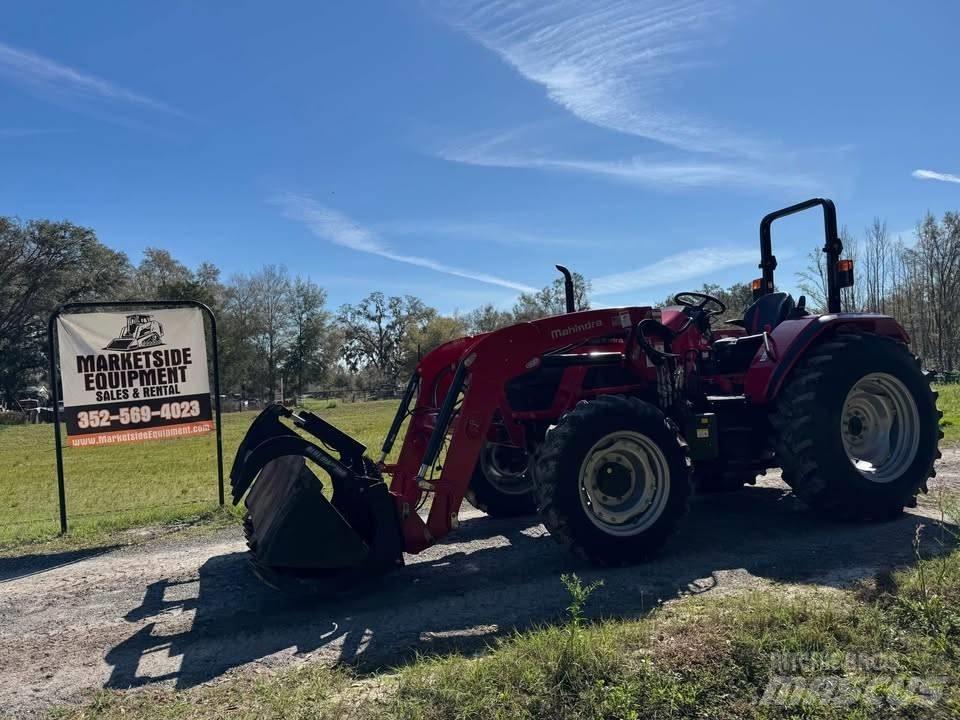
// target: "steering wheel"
[[688, 299]]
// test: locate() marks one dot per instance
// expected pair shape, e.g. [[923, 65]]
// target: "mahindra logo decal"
[[571, 329]]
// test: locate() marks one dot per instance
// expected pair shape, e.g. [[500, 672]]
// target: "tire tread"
[[547, 463], [793, 419]]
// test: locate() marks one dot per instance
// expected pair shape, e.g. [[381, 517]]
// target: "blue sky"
[[457, 150]]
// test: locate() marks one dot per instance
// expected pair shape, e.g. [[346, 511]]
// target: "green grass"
[[949, 403], [309, 692], [116, 487]]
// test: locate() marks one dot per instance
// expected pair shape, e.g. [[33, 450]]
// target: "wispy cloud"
[[50, 79], [335, 227], [611, 63], [481, 232], [931, 175], [27, 132], [608, 61], [658, 173], [670, 270]]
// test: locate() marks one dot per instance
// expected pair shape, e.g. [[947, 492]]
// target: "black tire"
[[807, 428], [488, 497], [558, 484]]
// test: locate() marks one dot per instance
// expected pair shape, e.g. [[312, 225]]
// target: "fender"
[[791, 339]]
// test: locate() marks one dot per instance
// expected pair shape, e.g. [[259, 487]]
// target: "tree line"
[[275, 328], [916, 280]]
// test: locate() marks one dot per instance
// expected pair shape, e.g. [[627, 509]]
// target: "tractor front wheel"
[[856, 428], [501, 484], [612, 479]]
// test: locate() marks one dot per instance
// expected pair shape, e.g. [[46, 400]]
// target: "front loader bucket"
[[292, 525], [119, 344], [293, 529]]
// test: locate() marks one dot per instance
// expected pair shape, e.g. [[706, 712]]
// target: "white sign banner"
[[129, 377]]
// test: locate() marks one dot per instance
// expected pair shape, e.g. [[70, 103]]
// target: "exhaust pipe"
[[567, 288]]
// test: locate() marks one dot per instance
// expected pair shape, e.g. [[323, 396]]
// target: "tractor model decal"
[[571, 329], [139, 332]]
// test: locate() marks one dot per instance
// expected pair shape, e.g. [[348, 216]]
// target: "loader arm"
[[472, 374]]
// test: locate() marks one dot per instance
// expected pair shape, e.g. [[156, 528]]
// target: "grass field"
[[949, 403], [122, 486]]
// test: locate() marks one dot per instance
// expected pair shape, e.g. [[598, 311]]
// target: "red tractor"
[[603, 421]]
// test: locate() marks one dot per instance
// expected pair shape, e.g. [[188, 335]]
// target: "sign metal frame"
[[55, 379]]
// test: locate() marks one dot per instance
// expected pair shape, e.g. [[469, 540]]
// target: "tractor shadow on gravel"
[[500, 575]]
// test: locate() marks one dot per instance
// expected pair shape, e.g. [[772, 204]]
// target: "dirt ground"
[[188, 611]]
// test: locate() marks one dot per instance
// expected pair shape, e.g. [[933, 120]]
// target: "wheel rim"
[[880, 427], [505, 468], [624, 483]]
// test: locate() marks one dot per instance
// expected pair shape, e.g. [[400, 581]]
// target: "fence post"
[[58, 443], [216, 400]]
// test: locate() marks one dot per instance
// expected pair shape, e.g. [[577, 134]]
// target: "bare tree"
[[874, 269], [812, 280], [309, 348], [271, 286], [240, 327]]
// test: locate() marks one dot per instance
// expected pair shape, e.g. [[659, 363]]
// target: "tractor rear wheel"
[[856, 428], [501, 484], [612, 479]]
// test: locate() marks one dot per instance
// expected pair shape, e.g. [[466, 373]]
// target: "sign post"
[[136, 375]]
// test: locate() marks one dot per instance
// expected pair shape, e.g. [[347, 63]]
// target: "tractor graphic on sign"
[[140, 331]]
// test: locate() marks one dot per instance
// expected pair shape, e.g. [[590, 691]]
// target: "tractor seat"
[[734, 354], [771, 309]]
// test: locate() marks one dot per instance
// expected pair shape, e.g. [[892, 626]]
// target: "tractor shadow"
[[498, 576]]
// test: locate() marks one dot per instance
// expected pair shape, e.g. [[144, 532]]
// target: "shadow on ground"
[[12, 568], [463, 599]]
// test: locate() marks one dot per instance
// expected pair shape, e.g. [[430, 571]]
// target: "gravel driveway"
[[186, 611]]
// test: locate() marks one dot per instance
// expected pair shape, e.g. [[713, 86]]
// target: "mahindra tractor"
[[603, 422]]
